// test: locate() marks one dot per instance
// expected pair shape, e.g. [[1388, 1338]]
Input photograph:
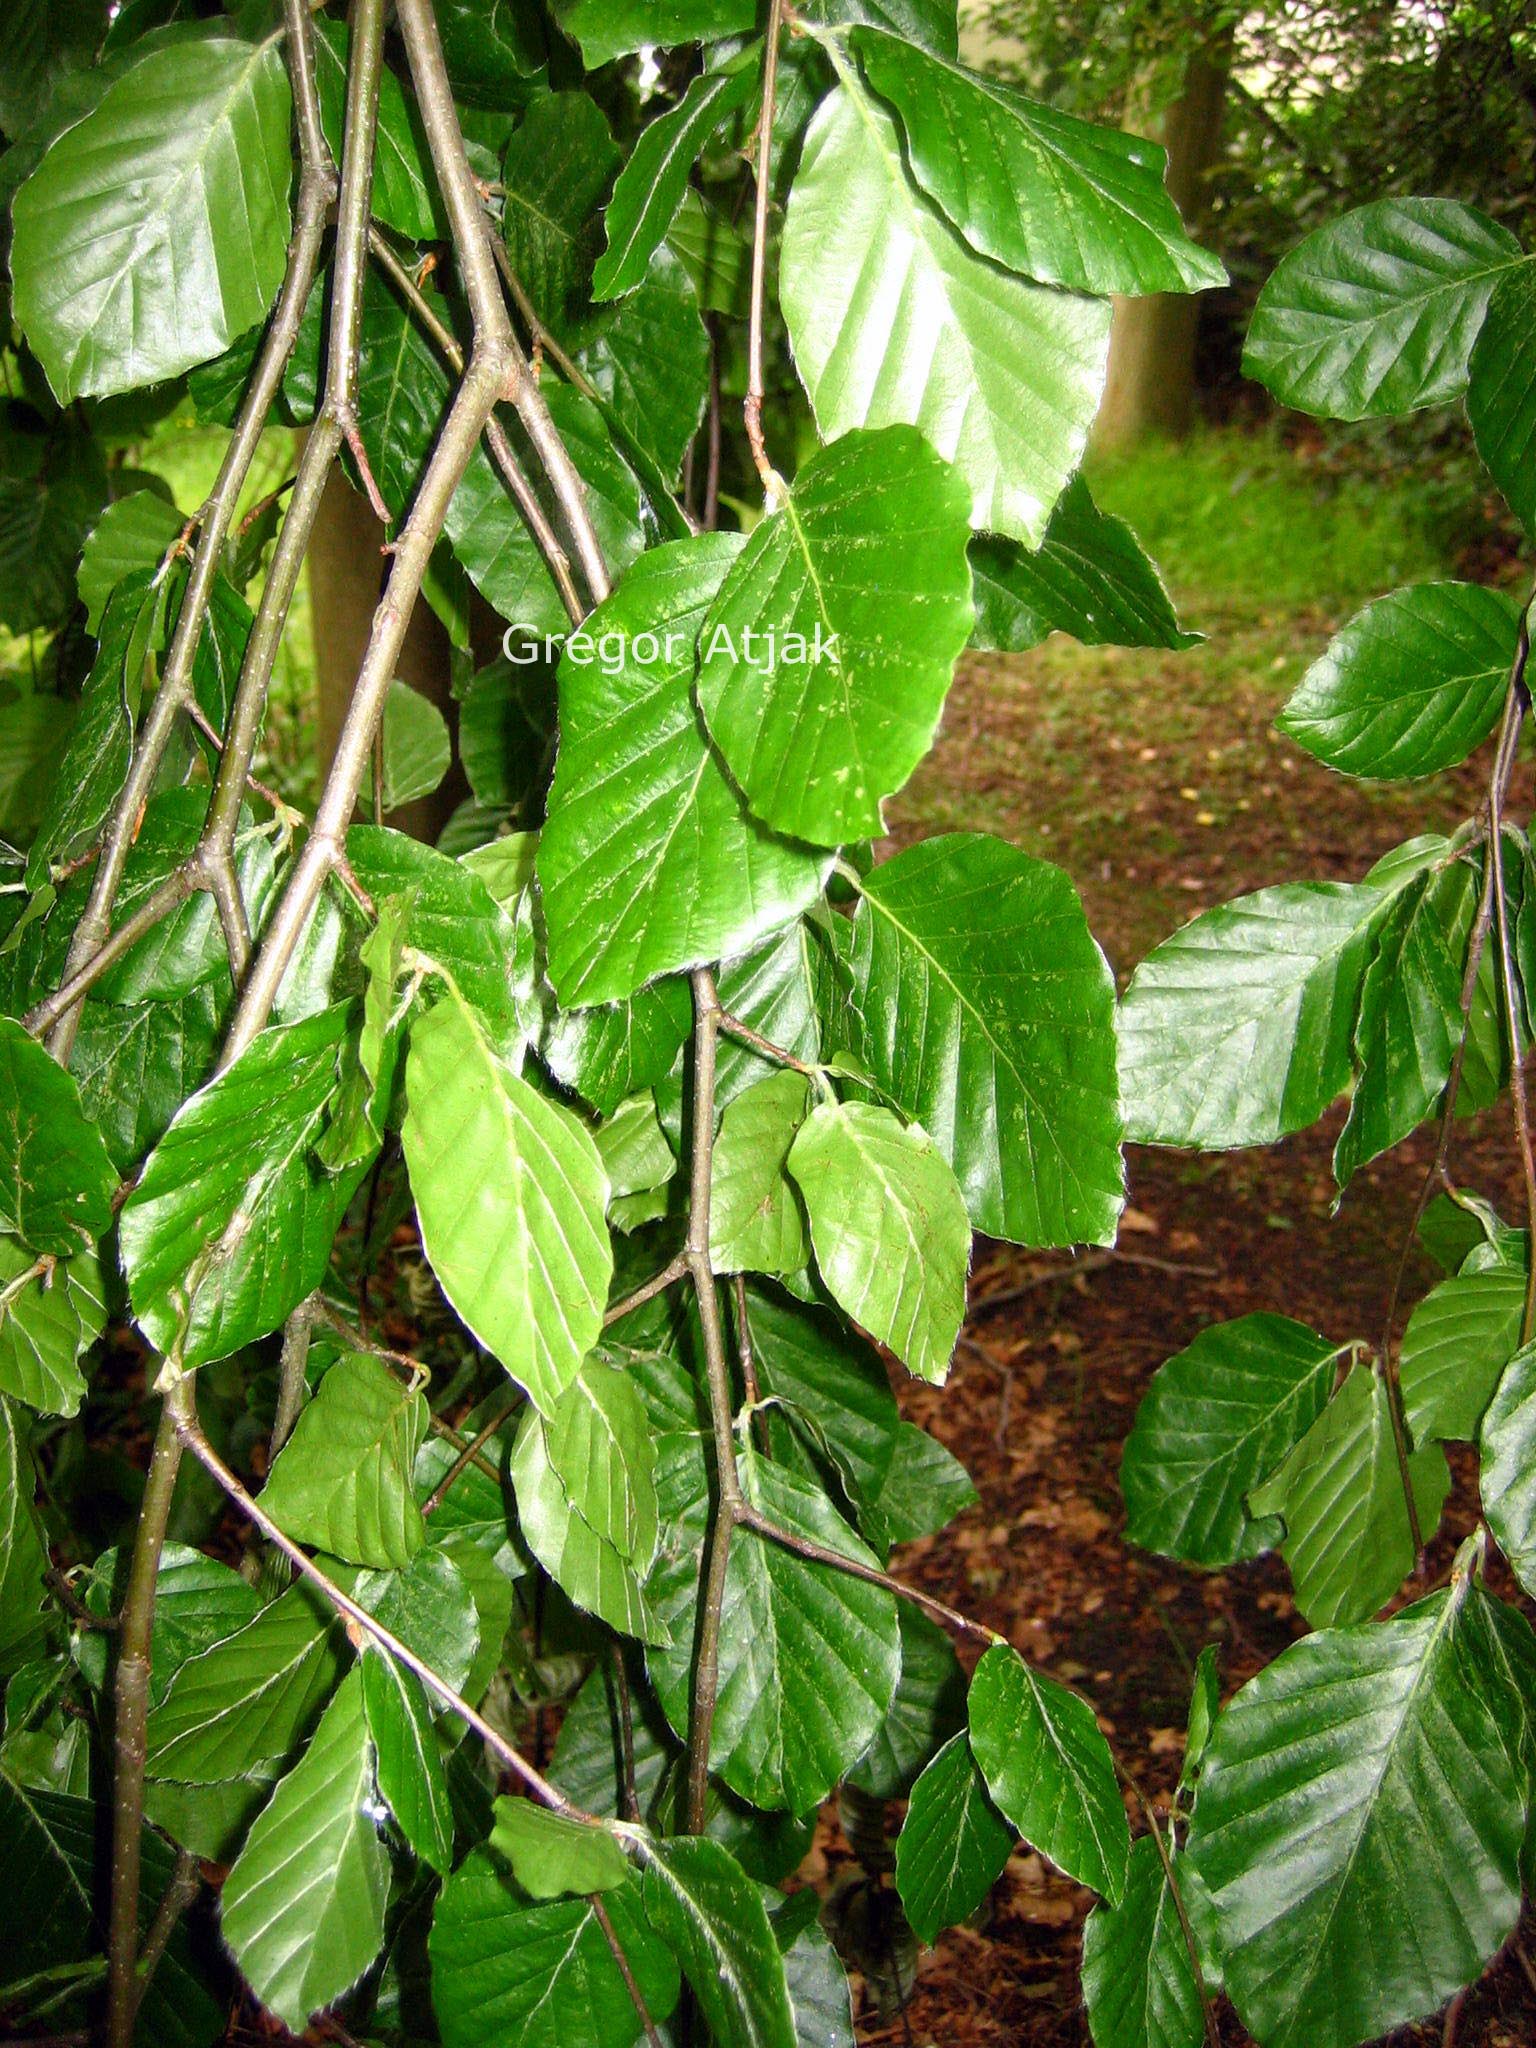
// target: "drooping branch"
[[511, 1759], [729, 1503], [317, 190], [130, 1700]]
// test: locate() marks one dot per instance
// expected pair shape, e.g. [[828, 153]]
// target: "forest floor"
[[1159, 783]]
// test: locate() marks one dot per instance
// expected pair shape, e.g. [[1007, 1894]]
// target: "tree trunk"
[[346, 564], [1151, 382]]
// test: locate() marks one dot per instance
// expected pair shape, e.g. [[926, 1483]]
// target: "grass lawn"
[[1157, 779]]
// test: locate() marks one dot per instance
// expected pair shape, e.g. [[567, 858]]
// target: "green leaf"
[[40, 39], [1049, 1770], [634, 1150], [34, 730], [1204, 1706], [303, 1908], [506, 733], [198, 1602], [417, 750], [1089, 577], [155, 230], [132, 534], [1458, 1342], [51, 488], [953, 1843], [809, 1656], [773, 989], [923, 1491], [755, 1220], [859, 591], [590, 1568], [819, 1992], [232, 1221], [1377, 312], [598, 1441], [1239, 1029], [982, 1006], [893, 318], [453, 919], [649, 190], [892, 1239], [551, 1855], [136, 1066], [433, 1605], [48, 1320], [511, 1196], [22, 1556], [607, 1052], [493, 48], [648, 360], [1347, 1539], [1138, 1983], [507, 1974], [412, 1781], [1501, 392], [713, 1919], [342, 1482], [829, 1387], [1507, 1477], [250, 1699], [1359, 1825], [556, 170], [648, 862], [404, 195], [92, 768], [607, 29], [1411, 685], [1217, 1420], [1030, 188], [54, 1847], [928, 1708], [1410, 1021], [56, 1180]]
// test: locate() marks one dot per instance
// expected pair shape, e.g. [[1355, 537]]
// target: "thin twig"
[[184, 1886], [637, 1997], [675, 1270], [470, 1455], [749, 1517], [193, 1440], [752, 409], [629, 1797], [734, 1027]]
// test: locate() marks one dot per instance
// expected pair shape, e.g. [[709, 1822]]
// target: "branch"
[[523, 494], [130, 1696], [193, 1440], [749, 1517], [469, 1455], [752, 409], [728, 1508], [186, 1882], [317, 190], [670, 1274]]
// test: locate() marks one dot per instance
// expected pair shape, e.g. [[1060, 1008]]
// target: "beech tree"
[[691, 1103]]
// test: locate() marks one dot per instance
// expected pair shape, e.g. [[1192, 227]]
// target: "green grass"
[[1242, 521]]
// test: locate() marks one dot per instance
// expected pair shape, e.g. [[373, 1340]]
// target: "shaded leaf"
[[1216, 1420], [1501, 393], [649, 189], [411, 1778], [1507, 1476], [713, 1919], [1138, 1982], [953, 1843], [47, 1322], [56, 1180]]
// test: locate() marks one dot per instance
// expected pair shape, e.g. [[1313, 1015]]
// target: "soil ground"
[[1160, 784]]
